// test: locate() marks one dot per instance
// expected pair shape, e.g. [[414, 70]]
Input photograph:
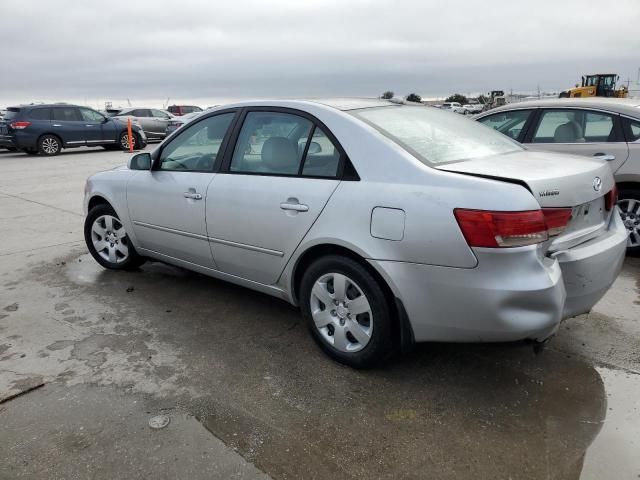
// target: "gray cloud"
[[197, 50]]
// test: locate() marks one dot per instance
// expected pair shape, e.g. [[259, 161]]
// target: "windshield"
[[434, 136]]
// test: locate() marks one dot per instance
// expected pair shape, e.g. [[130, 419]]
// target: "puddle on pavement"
[[614, 453], [447, 412]]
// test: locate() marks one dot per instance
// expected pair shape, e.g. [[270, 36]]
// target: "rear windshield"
[[11, 112], [434, 136]]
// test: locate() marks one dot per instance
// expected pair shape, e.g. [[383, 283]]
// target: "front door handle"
[[294, 205], [607, 157], [193, 195]]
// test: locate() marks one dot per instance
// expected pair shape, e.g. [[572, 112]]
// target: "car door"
[[167, 204], [263, 201], [93, 123], [160, 122], [580, 132], [513, 123], [68, 124]]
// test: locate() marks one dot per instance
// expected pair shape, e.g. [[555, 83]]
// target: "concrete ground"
[[92, 355]]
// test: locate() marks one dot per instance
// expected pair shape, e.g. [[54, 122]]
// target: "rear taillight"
[[611, 198], [556, 219], [483, 228], [19, 125]]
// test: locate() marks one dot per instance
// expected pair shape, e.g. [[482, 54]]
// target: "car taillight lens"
[[556, 219], [19, 125], [611, 198], [488, 229]]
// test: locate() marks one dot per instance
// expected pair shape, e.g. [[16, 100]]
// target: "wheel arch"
[[628, 185], [96, 200], [403, 333]]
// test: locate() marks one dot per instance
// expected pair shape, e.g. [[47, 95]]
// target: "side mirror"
[[314, 147], [140, 161]]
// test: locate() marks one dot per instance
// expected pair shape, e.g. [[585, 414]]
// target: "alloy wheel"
[[50, 146], [110, 239], [630, 213], [124, 140], [341, 312]]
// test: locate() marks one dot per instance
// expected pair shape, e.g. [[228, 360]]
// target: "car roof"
[[343, 104], [627, 106]]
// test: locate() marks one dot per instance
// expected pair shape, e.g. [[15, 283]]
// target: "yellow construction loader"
[[597, 85]]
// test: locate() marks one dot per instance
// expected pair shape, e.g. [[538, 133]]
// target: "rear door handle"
[[56, 125], [607, 157], [192, 195], [292, 204]]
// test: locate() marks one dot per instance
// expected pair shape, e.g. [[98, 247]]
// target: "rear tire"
[[107, 240], [629, 203], [346, 311], [49, 145]]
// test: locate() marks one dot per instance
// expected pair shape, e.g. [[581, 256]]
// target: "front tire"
[[123, 141], [346, 311], [49, 145], [629, 204], [108, 241]]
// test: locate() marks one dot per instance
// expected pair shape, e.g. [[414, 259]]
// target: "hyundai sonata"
[[387, 224]]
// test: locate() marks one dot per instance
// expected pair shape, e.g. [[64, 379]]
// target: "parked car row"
[[604, 128], [387, 224], [48, 128]]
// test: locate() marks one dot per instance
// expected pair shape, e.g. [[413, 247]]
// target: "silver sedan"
[[387, 224], [607, 128]]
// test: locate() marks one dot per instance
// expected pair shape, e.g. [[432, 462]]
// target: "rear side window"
[[11, 113], [271, 143], [66, 114], [632, 130], [41, 114], [322, 157], [507, 123]]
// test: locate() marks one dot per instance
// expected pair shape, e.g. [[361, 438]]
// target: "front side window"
[[67, 114], [434, 136], [507, 123], [574, 126], [159, 114], [91, 115], [271, 143], [197, 147], [140, 112]]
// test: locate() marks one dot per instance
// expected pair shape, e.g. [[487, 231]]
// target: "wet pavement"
[[245, 386]]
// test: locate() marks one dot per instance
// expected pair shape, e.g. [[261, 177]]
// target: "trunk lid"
[[555, 180]]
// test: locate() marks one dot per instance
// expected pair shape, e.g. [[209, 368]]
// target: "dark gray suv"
[[47, 129]]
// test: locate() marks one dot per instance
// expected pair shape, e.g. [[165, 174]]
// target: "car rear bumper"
[[7, 141], [512, 294], [589, 269]]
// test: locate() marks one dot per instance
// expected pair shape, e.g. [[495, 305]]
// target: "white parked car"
[[453, 107], [605, 128], [473, 108], [386, 224]]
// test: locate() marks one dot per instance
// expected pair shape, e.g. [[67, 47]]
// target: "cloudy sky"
[[208, 51]]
